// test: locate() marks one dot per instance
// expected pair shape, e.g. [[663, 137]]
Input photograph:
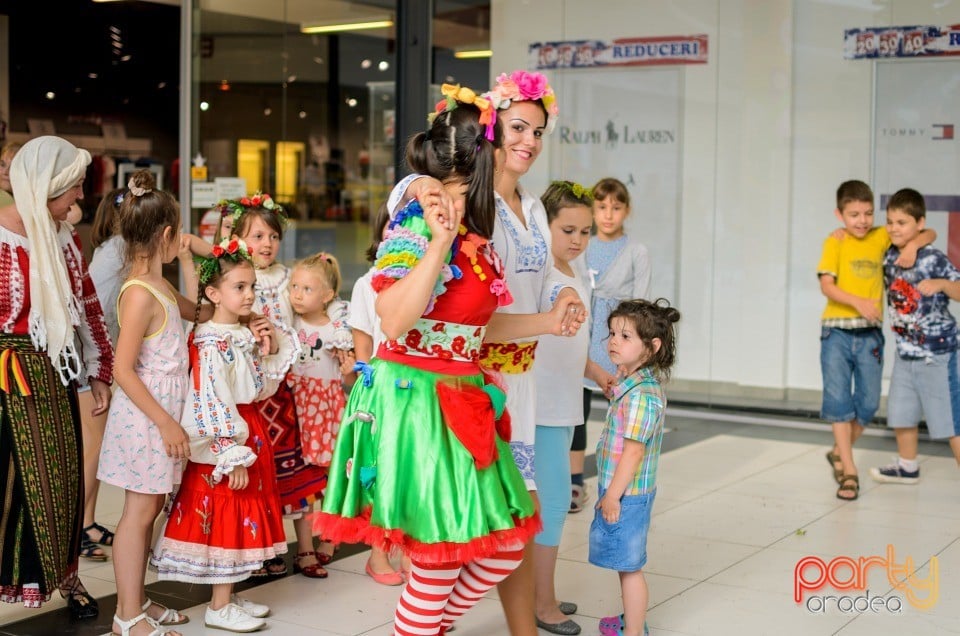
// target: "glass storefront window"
[[308, 114]]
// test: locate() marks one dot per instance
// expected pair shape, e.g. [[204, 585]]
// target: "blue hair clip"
[[366, 371], [118, 199]]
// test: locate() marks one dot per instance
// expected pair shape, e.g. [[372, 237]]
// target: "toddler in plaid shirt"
[[642, 344]]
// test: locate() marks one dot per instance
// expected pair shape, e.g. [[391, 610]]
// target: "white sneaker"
[[232, 618], [257, 610]]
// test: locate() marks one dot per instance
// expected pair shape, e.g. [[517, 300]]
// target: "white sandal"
[[125, 626], [169, 618]]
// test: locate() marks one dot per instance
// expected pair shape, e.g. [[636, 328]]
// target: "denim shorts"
[[622, 546], [852, 364], [927, 388]]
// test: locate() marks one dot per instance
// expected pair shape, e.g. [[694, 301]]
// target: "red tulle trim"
[[339, 529]]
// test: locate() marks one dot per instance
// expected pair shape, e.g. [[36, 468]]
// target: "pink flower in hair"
[[531, 85], [522, 86]]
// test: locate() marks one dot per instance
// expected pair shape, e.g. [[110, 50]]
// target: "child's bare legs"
[[130, 548], [516, 593], [92, 427], [220, 595], [955, 447], [908, 441], [633, 586], [545, 565], [845, 434], [304, 532]]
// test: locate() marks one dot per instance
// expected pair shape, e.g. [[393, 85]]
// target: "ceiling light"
[[327, 27], [204, 106], [50, 95], [126, 58], [302, 114], [92, 75], [351, 102], [472, 54], [383, 65], [365, 64]]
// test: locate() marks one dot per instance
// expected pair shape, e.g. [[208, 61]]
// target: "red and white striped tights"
[[437, 595]]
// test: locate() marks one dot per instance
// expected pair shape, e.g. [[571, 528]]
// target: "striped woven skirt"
[[41, 482]]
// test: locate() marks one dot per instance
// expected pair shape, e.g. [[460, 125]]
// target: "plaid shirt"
[[636, 412]]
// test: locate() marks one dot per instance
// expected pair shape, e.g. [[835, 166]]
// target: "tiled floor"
[[739, 504]]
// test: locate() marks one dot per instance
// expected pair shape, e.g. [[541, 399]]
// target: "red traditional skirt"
[[300, 483], [216, 535]]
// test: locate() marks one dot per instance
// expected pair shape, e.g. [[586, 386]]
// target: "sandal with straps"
[[312, 571], [90, 550], [126, 626], [106, 537], [169, 618], [849, 484]]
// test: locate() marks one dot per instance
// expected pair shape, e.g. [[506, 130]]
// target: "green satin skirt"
[[400, 478]]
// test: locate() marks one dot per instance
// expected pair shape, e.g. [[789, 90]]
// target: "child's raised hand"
[[610, 508], [175, 440], [238, 478], [265, 334], [443, 219]]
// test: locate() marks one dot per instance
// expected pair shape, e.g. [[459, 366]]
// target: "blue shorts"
[[851, 361], [622, 546], [927, 388]]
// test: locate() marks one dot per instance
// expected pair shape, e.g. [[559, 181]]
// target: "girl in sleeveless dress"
[[143, 441]]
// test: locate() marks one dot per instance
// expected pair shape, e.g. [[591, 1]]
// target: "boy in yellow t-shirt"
[[851, 340]]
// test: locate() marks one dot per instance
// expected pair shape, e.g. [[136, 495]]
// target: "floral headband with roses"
[[233, 250], [236, 207], [524, 86]]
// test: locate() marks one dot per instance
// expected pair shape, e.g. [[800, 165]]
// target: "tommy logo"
[[946, 131]]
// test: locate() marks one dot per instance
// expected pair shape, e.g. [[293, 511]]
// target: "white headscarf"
[[43, 169]]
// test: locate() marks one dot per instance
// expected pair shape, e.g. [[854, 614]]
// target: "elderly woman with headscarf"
[[49, 314]]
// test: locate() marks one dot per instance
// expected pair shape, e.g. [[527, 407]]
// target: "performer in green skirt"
[[422, 461]]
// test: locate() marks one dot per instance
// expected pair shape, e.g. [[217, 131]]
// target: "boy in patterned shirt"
[[926, 371]]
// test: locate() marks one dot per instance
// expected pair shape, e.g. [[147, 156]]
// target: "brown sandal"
[[834, 460], [846, 487]]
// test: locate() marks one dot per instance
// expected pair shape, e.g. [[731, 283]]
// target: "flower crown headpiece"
[[454, 94], [524, 86], [577, 190], [236, 207], [233, 250]]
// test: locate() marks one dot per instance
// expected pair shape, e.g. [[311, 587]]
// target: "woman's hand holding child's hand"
[[568, 315], [609, 508], [238, 478]]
